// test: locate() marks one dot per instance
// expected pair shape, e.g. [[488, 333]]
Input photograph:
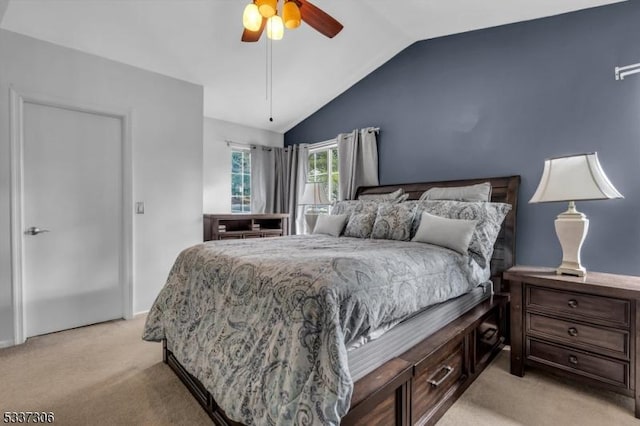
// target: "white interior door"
[[72, 187]]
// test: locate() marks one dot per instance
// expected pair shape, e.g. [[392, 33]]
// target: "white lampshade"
[[315, 193], [574, 178]]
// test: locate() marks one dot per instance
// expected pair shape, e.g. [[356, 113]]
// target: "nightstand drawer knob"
[[573, 303], [573, 359], [573, 331]]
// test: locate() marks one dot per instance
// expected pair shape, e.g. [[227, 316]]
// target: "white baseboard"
[[141, 313], [6, 343]]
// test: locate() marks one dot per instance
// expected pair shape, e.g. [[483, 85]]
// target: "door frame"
[[17, 101]]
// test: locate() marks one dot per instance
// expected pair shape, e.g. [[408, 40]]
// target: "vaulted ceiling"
[[199, 41]]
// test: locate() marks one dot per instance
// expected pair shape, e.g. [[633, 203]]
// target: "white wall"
[[167, 151], [3, 8], [217, 158]]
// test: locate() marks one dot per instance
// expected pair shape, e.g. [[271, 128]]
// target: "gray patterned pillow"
[[355, 206], [393, 221], [360, 225], [488, 215]]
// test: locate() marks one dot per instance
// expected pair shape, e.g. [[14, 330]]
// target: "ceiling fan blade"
[[253, 36], [318, 19]]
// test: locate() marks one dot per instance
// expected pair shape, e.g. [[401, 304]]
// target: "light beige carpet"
[[105, 374]]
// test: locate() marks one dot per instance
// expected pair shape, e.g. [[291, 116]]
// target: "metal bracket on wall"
[[622, 72]]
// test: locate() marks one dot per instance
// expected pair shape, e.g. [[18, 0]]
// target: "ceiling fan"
[[264, 13]]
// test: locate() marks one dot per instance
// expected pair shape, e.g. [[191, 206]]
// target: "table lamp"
[[573, 178], [315, 194]]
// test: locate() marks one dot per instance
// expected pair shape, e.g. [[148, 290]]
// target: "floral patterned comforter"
[[264, 323]]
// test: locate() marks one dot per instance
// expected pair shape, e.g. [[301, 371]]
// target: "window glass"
[[323, 167], [240, 181]]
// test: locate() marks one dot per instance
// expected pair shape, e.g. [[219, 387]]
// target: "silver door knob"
[[34, 230]]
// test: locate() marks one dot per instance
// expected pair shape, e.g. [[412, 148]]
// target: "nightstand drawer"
[[605, 341], [605, 309], [577, 362]]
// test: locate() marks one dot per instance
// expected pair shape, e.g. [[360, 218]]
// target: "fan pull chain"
[[271, 82], [266, 71]]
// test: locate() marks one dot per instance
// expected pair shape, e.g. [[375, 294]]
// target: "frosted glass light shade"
[[574, 178], [315, 193], [291, 15], [267, 7], [251, 18], [275, 29]]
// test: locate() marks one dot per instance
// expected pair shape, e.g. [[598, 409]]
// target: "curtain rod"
[[239, 144], [622, 72], [246, 145], [319, 145], [329, 142], [372, 129]]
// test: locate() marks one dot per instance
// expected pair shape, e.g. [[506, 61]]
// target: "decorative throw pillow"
[[355, 206], [330, 224], [393, 221], [479, 192], [488, 215], [450, 233], [383, 197], [360, 225]]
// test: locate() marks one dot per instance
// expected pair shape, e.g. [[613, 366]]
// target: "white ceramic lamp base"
[[571, 228]]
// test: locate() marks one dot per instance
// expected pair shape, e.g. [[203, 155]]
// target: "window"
[[240, 180], [323, 167]]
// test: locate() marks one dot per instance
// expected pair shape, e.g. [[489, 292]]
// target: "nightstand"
[[583, 328]]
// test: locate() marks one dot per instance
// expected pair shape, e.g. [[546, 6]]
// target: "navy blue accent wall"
[[499, 101]]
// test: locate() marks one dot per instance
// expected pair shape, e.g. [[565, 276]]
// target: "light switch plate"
[[139, 207]]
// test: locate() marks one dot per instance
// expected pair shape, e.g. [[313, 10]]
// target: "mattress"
[[412, 330]]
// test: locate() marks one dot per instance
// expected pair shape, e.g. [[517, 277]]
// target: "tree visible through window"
[[240, 181], [323, 167]]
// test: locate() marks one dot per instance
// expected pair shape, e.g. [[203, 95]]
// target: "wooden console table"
[[224, 226]]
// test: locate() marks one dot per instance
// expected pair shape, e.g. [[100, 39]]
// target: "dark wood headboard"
[[503, 190]]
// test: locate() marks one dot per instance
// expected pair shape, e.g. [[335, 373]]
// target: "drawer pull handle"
[[573, 359], [436, 383], [573, 331], [573, 303], [488, 334]]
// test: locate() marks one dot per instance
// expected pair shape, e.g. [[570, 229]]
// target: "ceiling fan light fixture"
[[275, 28], [267, 8], [291, 15], [251, 18]]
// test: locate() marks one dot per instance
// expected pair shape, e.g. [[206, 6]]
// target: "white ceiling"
[[199, 41]]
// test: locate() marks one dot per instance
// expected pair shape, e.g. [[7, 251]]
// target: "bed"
[[413, 385]]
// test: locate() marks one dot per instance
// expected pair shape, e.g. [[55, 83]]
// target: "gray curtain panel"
[[277, 181], [263, 179], [291, 174], [357, 161]]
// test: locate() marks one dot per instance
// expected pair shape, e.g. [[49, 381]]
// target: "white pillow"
[[331, 224], [450, 233], [389, 196], [478, 192]]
